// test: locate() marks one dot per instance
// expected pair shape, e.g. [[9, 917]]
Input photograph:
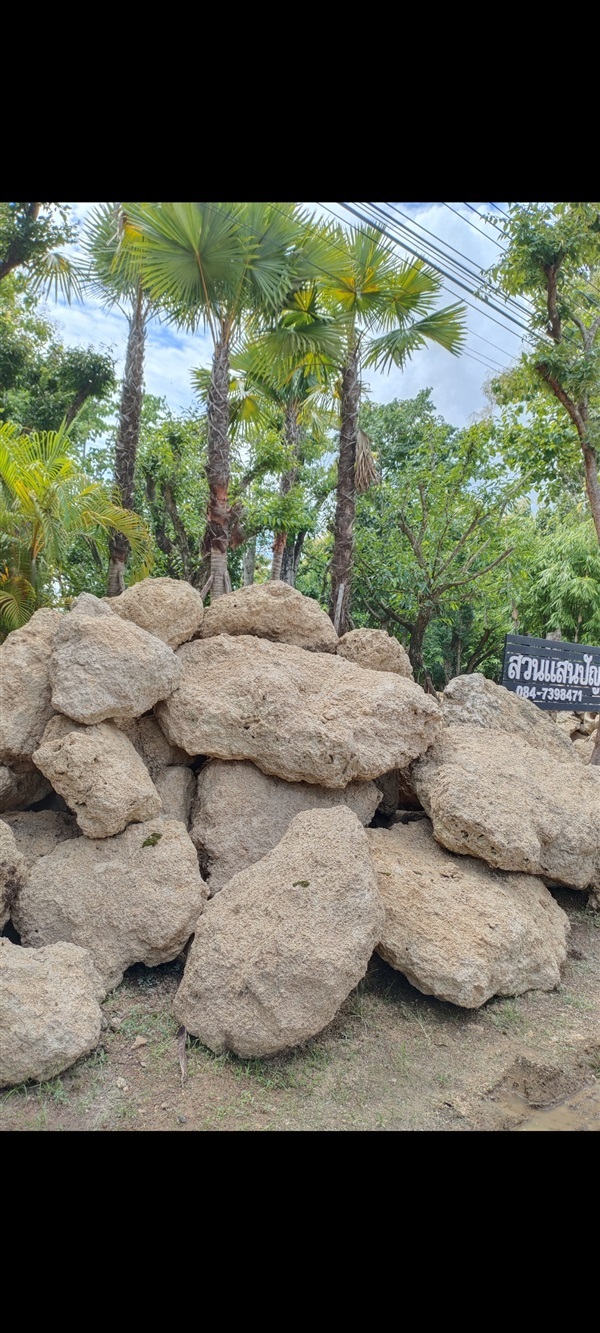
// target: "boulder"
[[376, 650], [169, 608], [12, 871], [38, 832], [22, 788], [278, 951], [150, 741], [100, 775], [134, 898], [240, 814], [25, 703], [104, 667], [502, 783], [272, 611], [88, 605], [49, 1010], [300, 716], [176, 788], [457, 929]]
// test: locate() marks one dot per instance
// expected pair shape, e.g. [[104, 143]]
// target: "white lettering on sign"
[[550, 671]]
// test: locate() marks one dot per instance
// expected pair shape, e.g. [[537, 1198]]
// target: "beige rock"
[[503, 784], [49, 1010], [169, 608], [272, 611], [301, 716], [12, 871], [150, 741], [38, 832], [134, 898], [457, 929], [100, 775], [104, 667], [240, 814], [88, 605], [23, 788], [375, 650], [277, 952], [25, 706], [176, 788]]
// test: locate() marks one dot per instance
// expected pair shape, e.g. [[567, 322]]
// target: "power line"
[[468, 222]]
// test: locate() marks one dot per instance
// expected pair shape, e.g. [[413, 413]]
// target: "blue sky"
[[457, 383]]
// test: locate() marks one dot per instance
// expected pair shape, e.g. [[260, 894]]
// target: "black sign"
[[563, 677]]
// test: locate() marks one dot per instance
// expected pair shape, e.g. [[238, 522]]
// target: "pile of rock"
[[212, 775]]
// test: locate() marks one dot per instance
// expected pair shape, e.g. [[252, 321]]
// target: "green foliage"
[[562, 590], [29, 236]]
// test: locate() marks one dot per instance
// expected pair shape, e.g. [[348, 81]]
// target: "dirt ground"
[[393, 1059]]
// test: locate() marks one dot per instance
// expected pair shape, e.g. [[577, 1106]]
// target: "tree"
[[47, 503], [29, 236], [553, 259], [111, 273], [562, 591], [217, 265], [388, 313]]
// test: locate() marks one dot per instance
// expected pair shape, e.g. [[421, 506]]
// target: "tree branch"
[[458, 583]]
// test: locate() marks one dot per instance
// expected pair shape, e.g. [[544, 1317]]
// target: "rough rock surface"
[[176, 788], [130, 899], [88, 605], [49, 1010], [272, 611], [457, 929], [169, 608], [396, 790], [100, 775], [22, 788], [240, 814], [12, 871], [277, 952], [38, 832], [301, 716], [502, 783], [104, 667], [375, 650], [25, 705], [150, 741]]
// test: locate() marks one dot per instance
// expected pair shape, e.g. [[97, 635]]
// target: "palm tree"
[[387, 311], [47, 503], [219, 266], [111, 273]]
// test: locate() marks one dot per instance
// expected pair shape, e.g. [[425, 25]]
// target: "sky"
[[456, 382]]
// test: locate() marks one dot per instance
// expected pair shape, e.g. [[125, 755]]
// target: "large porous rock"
[[375, 650], [38, 832], [176, 788], [22, 788], [134, 898], [169, 608], [240, 814], [502, 783], [457, 929], [49, 1010], [104, 667], [25, 703], [272, 611], [149, 739], [277, 952], [12, 871], [100, 775], [88, 605], [301, 716]]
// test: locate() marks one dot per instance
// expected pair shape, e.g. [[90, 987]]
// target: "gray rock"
[[22, 788], [49, 1010], [279, 950], [100, 775], [457, 929], [104, 667], [38, 832], [169, 608], [272, 611], [240, 814], [301, 716], [12, 871], [134, 898], [176, 788], [375, 650], [25, 705]]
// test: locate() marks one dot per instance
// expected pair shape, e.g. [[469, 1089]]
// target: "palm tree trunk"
[[291, 438], [249, 562], [343, 543], [291, 558], [216, 538], [130, 413]]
